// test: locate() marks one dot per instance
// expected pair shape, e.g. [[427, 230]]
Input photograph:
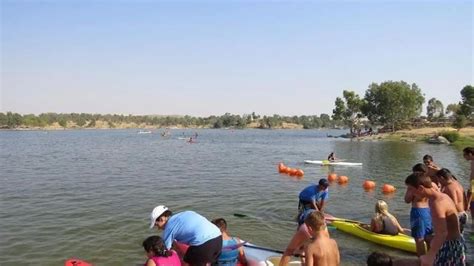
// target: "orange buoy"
[[343, 179], [368, 184], [388, 188], [332, 177], [281, 168], [293, 172], [299, 173]]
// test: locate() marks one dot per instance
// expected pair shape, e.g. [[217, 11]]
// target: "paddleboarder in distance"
[[332, 157]]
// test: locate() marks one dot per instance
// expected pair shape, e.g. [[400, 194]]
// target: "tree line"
[[83, 120], [395, 104]]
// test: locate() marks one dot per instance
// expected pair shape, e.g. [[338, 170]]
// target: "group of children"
[[437, 218]]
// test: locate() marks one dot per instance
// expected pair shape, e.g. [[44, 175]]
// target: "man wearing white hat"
[[188, 227]]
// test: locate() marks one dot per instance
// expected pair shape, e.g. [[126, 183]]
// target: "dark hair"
[[468, 150], [418, 179], [427, 157], [157, 245], [445, 174], [419, 167], [379, 259], [323, 182], [167, 213], [221, 223]]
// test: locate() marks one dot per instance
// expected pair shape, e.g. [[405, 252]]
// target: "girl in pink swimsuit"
[[158, 254]]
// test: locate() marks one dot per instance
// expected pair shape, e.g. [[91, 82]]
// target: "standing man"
[[313, 197], [188, 227], [468, 154], [447, 246]]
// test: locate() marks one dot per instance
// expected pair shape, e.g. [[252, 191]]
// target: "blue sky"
[[210, 57]]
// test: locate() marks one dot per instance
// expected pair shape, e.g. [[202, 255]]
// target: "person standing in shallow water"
[[468, 154], [420, 215], [232, 250], [447, 246], [313, 197], [455, 191], [322, 250]]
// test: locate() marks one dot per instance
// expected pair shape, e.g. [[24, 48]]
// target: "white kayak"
[[261, 256], [326, 162]]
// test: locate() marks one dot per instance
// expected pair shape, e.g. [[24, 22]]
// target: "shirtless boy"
[[455, 191], [322, 250], [447, 246], [420, 215], [468, 154]]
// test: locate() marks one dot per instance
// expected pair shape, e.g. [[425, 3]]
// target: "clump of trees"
[[83, 120], [395, 104]]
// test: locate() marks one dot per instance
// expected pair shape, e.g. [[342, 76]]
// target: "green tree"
[[434, 109], [349, 109], [467, 104], [62, 122], [392, 103], [452, 109]]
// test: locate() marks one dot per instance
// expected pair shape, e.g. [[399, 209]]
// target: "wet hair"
[[379, 259], [468, 150], [315, 220], [428, 157], [157, 245], [221, 223], [419, 168], [445, 174], [418, 179]]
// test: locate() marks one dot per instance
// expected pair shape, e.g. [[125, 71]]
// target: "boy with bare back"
[[455, 191], [420, 215], [447, 246], [322, 250]]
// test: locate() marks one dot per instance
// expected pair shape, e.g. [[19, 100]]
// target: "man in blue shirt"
[[188, 227], [313, 197]]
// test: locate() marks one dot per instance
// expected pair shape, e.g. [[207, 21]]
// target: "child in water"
[[322, 250], [158, 254]]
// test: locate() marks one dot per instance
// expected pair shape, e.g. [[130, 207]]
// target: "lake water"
[[88, 193]]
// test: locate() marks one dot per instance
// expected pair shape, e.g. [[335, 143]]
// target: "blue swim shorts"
[[420, 221]]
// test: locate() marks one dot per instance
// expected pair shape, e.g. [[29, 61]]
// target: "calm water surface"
[[88, 194]]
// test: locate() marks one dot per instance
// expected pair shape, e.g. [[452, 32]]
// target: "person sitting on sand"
[[322, 250], [383, 222], [232, 251], [332, 157], [158, 254]]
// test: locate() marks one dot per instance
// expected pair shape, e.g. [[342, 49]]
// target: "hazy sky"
[[210, 57]]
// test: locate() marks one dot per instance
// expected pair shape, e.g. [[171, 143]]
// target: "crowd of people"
[[437, 218]]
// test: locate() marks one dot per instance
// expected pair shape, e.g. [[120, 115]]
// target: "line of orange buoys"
[[368, 185], [283, 169]]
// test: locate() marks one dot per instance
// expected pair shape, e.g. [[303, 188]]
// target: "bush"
[[452, 136]]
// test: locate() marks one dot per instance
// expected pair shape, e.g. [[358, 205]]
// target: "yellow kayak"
[[400, 241]]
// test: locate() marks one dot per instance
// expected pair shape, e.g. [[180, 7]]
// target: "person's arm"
[[440, 233], [150, 262], [409, 196], [296, 242], [314, 205], [320, 205], [397, 224], [308, 255], [242, 257]]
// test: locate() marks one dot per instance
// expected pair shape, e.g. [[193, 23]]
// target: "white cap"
[[157, 211]]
